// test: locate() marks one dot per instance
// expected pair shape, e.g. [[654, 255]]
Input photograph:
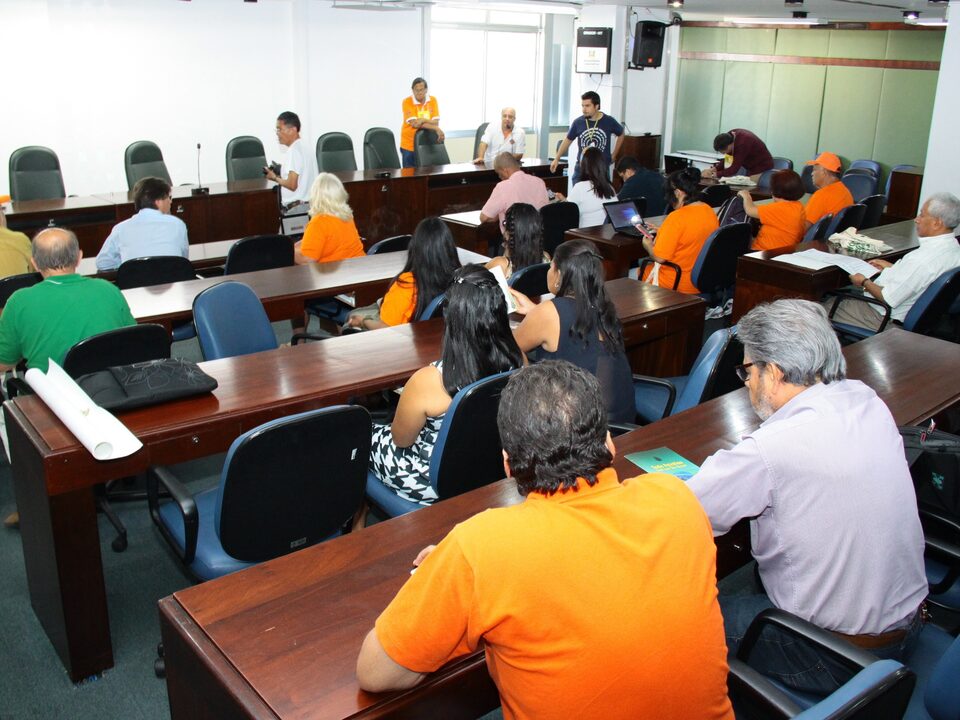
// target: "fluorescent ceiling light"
[[774, 21], [927, 22]]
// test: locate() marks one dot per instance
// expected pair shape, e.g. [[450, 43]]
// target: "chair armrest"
[[751, 690], [848, 654], [158, 475], [942, 550], [620, 428], [297, 337], [853, 293], [647, 260], [671, 389], [16, 386]]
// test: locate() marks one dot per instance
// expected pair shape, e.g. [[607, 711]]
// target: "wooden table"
[[468, 232], [619, 251], [761, 279], [280, 640]]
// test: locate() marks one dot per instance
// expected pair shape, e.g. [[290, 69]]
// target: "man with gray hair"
[[833, 515], [505, 138], [900, 284]]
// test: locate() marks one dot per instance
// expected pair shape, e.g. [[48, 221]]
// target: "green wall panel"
[[807, 43], [703, 40], [746, 96], [858, 44], [851, 101], [914, 45], [793, 122], [903, 123], [754, 41], [699, 92]]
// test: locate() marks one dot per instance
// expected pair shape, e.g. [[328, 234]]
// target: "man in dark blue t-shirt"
[[638, 182], [592, 129]]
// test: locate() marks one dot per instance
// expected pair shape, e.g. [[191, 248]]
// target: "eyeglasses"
[[741, 371]]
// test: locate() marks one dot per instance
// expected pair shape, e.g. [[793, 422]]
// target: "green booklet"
[[664, 460]]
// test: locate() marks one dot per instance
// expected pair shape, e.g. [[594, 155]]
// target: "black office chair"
[[531, 280], [818, 230], [428, 149], [390, 244], [10, 284], [259, 252], [558, 217], [763, 183], [874, 205], [143, 159], [477, 137], [782, 163], [245, 158], [380, 150], [715, 271], [35, 174], [850, 216], [124, 346], [335, 152], [716, 195], [158, 270]]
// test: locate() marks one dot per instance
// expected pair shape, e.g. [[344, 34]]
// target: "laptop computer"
[[625, 215]]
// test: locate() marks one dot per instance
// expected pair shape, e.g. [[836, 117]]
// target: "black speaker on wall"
[[648, 44]]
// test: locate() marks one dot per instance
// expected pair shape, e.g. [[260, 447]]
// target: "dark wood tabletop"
[[280, 640]]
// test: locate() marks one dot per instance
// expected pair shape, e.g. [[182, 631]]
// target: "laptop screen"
[[622, 213]]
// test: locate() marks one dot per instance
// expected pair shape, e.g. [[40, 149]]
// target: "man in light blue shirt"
[[152, 231]]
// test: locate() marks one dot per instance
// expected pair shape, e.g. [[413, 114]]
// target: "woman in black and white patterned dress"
[[477, 343]]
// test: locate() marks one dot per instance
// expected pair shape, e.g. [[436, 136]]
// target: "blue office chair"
[[715, 270], [850, 216], [936, 661], [390, 244], [287, 484], [932, 304], [860, 185], [716, 195], [231, 321], [531, 280], [467, 453], [874, 210], [763, 183], [158, 270], [782, 163], [259, 252], [886, 190], [711, 376], [434, 308], [871, 165], [818, 230]]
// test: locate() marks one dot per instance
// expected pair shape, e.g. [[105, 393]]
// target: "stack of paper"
[[818, 259]]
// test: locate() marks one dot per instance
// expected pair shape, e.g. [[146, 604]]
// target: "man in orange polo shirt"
[[593, 598], [832, 195], [420, 111]]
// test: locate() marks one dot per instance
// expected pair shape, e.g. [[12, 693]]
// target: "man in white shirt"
[[900, 284], [505, 139], [299, 167]]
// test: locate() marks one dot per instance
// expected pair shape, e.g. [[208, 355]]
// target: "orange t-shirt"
[[782, 223], [599, 602], [679, 240], [328, 238], [427, 110], [400, 301], [830, 199]]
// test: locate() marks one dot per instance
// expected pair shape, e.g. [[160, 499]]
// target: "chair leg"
[[160, 665], [360, 519], [119, 543]]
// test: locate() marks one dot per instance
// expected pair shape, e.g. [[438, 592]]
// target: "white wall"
[[88, 78], [943, 151], [646, 90]]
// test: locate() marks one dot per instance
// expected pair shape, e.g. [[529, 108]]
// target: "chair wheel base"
[[159, 668], [119, 543]]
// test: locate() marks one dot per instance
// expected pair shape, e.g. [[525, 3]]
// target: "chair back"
[[886, 190], [434, 308], [428, 149], [259, 252], [335, 152], [850, 216], [706, 371], [716, 265], [380, 150], [155, 270], [782, 163], [871, 216], [557, 218], [292, 482], [476, 138], [871, 166], [806, 176], [390, 244], [231, 321], [716, 195], [467, 453], [123, 346], [818, 229], [763, 183], [144, 159], [531, 280], [933, 302], [860, 184], [942, 694], [10, 284], [245, 158], [35, 174]]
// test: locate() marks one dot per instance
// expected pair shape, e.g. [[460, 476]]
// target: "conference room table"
[[54, 476], [762, 278], [280, 640]]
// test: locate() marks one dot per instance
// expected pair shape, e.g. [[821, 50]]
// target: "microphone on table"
[[199, 189]]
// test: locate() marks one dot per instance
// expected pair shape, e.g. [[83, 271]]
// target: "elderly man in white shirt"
[[507, 138], [299, 167], [900, 284]]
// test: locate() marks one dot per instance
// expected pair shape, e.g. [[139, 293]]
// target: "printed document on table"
[[818, 259]]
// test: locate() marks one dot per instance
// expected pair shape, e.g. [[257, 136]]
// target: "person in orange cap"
[[832, 195]]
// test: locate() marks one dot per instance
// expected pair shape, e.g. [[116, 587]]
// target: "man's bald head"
[[508, 116], [56, 251], [505, 164]]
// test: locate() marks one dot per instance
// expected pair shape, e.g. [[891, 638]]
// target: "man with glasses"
[[152, 231], [833, 514], [299, 167]]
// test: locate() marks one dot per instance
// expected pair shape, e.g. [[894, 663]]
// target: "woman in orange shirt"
[[431, 261], [331, 233], [682, 233], [784, 221]]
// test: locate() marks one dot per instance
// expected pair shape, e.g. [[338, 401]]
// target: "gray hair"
[[796, 336], [945, 207], [56, 249]]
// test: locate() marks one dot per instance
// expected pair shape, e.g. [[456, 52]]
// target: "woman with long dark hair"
[[477, 343], [593, 189], [522, 239], [431, 261], [580, 325]]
